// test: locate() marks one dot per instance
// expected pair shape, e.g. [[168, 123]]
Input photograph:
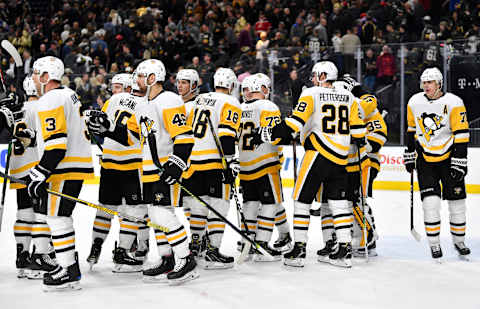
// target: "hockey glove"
[[409, 161], [172, 170], [36, 185], [458, 168], [359, 141], [98, 122], [265, 134], [232, 170], [8, 119], [26, 135], [18, 148]]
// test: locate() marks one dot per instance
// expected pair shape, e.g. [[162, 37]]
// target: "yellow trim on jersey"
[[16, 186], [376, 140], [226, 134], [274, 115], [325, 153], [277, 185], [436, 159], [341, 147], [304, 111], [175, 121], [307, 161], [355, 120], [150, 178], [410, 119], [122, 152], [259, 159], [263, 172], [76, 159], [70, 176], [368, 103], [461, 140], [105, 106], [24, 168], [435, 148], [375, 165], [53, 122], [187, 140], [204, 152], [202, 167], [458, 118], [121, 167], [57, 146], [229, 110], [176, 194], [292, 125]]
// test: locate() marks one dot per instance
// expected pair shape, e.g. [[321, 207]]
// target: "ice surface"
[[402, 276]]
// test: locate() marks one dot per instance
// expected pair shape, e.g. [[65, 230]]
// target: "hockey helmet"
[[225, 78], [327, 67], [51, 65], [190, 75], [431, 74]]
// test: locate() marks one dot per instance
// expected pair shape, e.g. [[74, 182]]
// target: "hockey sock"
[[128, 232], [143, 235], [301, 221], [22, 228], [162, 244], [198, 216], [281, 220], [431, 216], [250, 212], [187, 212], [41, 235], [327, 222], [266, 219], [342, 219], [177, 235], [457, 211], [102, 224], [216, 227], [63, 238]]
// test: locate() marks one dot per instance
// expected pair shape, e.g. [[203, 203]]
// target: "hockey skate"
[[124, 263], [22, 262], [40, 264], [63, 278], [437, 253], [184, 271], [258, 257], [360, 252], [296, 257], [322, 254], [341, 255], [158, 272], [462, 250], [283, 243], [95, 251], [215, 260]]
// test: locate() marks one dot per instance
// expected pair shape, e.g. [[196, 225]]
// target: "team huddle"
[[163, 150]]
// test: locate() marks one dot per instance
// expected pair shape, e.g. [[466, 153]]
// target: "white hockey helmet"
[[190, 75], [225, 78], [152, 66], [251, 84], [265, 81], [431, 74], [51, 65], [29, 87], [326, 67], [123, 79]]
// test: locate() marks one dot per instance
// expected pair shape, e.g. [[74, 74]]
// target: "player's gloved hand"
[[409, 161], [12, 101], [359, 141], [25, 135], [233, 168], [98, 122], [6, 118], [173, 170], [458, 168], [265, 134], [18, 148], [36, 185]]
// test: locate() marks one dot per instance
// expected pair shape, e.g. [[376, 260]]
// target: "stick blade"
[[13, 52], [244, 254], [416, 235]]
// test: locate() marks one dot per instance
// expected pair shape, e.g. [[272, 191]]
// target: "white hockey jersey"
[[20, 165], [438, 124], [224, 112], [264, 159], [120, 107], [327, 118], [61, 125]]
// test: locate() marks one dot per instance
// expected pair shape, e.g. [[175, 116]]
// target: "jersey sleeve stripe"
[[56, 146], [461, 131], [298, 119], [54, 136], [293, 124]]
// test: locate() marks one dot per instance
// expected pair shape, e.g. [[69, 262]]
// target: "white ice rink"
[[402, 276]]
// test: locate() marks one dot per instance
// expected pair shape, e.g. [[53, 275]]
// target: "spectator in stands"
[[386, 67], [370, 69], [261, 47], [350, 44], [262, 25], [27, 61], [391, 35]]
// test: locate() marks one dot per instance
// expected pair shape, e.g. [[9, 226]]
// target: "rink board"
[[392, 176]]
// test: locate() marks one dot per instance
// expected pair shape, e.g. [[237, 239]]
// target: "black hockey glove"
[[25, 135], [172, 170], [409, 161], [359, 141], [36, 182], [233, 168], [458, 168], [98, 122]]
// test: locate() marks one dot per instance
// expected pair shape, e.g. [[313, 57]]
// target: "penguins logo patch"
[[430, 123]]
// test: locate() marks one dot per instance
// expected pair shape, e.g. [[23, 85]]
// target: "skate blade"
[[323, 259], [262, 258], [188, 277], [35, 274], [162, 278], [119, 268], [70, 286], [216, 265], [288, 247], [294, 262], [21, 273], [465, 258], [438, 260], [341, 263]]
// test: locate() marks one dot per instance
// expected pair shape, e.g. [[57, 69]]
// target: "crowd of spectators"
[[98, 38]]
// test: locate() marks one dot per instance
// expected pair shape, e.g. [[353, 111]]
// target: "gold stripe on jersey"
[[259, 159], [80, 175], [336, 145], [257, 173], [369, 104], [204, 152], [410, 120], [459, 124], [202, 166], [54, 128], [437, 148], [327, 152], [175, 121], [357, 125], [121, 165], [184, 140], [23, 168], [277, 186], [432, 158], [229, 120], [122, 152], [76, 160], [105, 106], [307, 162]]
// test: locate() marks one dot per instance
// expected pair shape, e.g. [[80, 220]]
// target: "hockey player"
[[164, 114], [329, 121], [437, 139], [205, 176], [259, 166], [65, 162], [120, 183], [28, 227]]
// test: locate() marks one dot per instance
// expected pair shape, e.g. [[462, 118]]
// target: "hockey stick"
[[246, 248], [12, 51], [89, 204], [362, 199], [156, 161], [412, 228]]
